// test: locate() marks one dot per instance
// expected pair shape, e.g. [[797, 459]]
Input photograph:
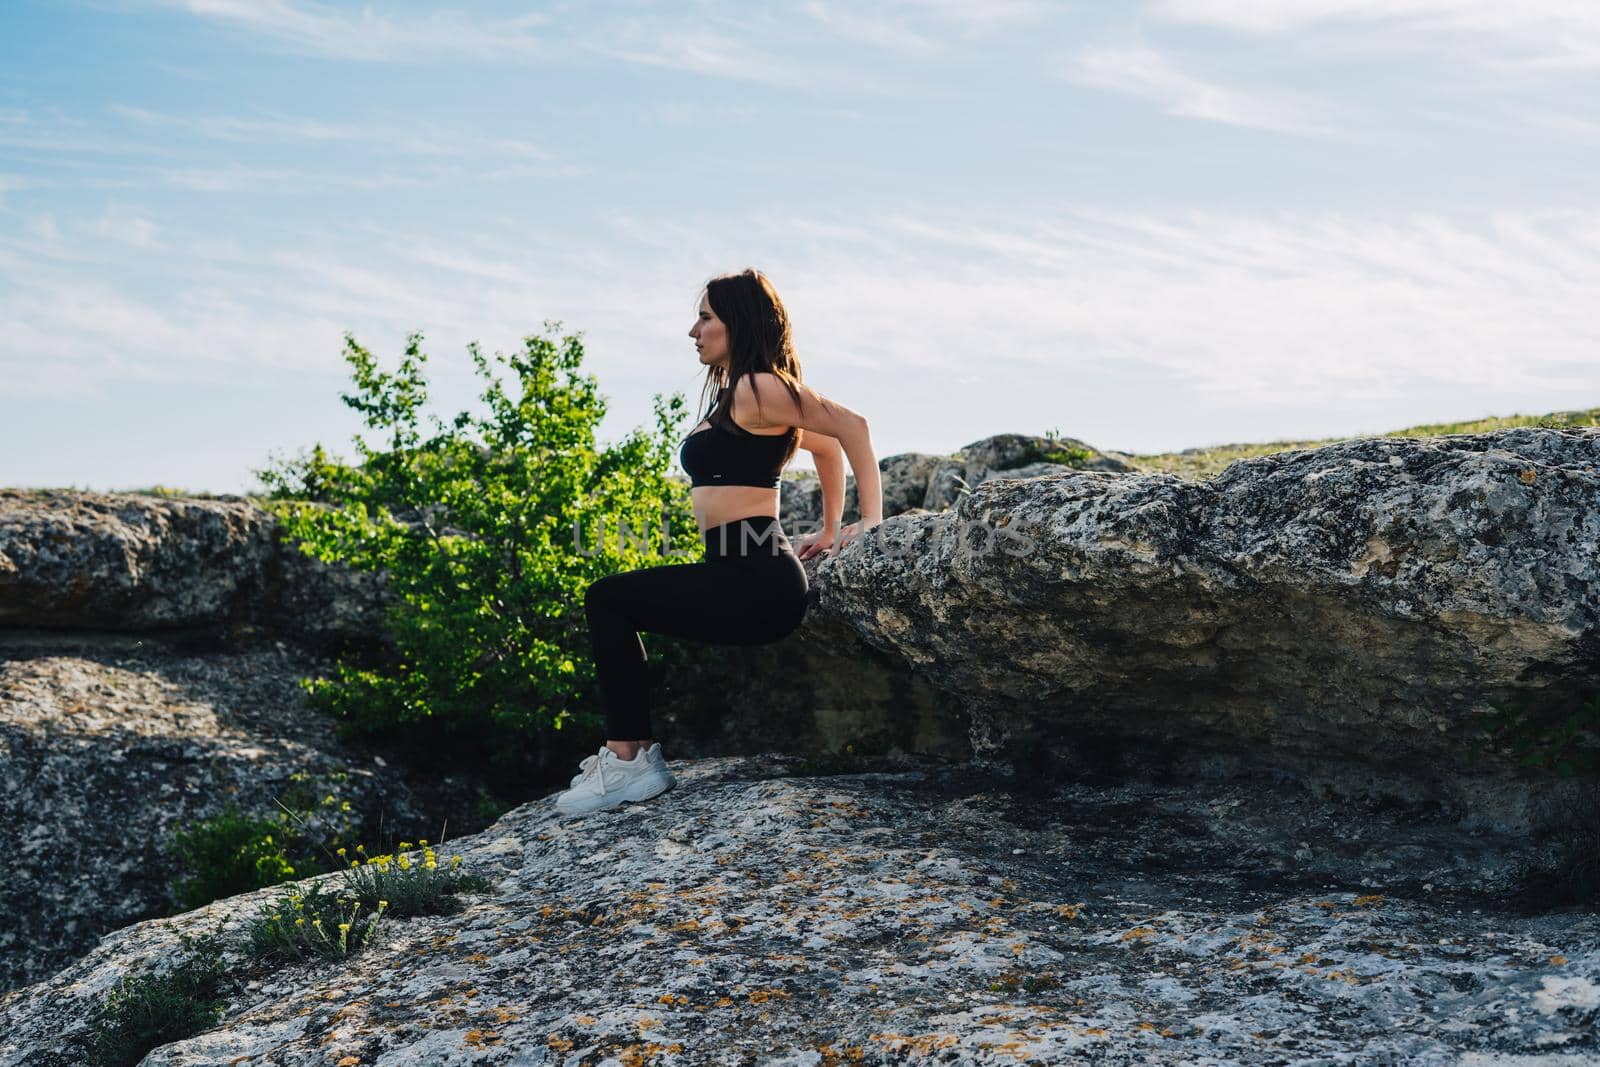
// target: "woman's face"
[[710, 335]]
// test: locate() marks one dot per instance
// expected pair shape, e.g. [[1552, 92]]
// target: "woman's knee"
[[601, 594], [632, 595]]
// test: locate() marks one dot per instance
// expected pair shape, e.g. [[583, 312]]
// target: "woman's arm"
[[829, 459], [857, 444], [830, 419]]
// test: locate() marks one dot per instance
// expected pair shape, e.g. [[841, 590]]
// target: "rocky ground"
[[938, 914], [111, 742]]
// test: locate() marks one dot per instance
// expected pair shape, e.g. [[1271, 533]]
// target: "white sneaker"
[[608, 781], [653, 752]]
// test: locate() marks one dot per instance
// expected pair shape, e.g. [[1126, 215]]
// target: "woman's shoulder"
[[754, 393]]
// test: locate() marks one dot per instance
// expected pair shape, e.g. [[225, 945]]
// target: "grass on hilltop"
[[1200, 463]]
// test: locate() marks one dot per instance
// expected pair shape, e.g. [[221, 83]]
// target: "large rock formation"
[[134, 563], [1346, 613], [925, 916], [919, 480]]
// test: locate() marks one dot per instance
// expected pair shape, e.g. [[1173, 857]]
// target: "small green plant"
[[1057, 452], [1072, 457], [332, 925], [413, 887], [233, 852], [146, 1010], [1566, 741], [313, 923], [166, 491]]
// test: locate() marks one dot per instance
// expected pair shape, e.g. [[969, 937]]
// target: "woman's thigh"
[[717, 603]]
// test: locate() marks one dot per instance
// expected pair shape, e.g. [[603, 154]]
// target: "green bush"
[[227, 854], [233, 852], [144, 1011], [490, 528]]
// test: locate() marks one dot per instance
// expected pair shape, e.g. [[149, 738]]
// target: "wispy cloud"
[[759, 46], [236, 128], [717, 54], [1567, 125], [120, 224], [340, 33], [406, 139], [12, 182], [991, 14], [411, 155], [1148, 74], [56, 133], [1528, 34], [239, 178], [690, 112], [1256, 307], [1248, 308], [851, 22]]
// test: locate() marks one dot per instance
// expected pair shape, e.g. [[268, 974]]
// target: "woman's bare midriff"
[[717, 504]]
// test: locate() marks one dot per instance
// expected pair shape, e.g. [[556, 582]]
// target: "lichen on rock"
[[751, 916]]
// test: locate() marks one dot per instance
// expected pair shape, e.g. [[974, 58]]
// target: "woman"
[[751, 589]]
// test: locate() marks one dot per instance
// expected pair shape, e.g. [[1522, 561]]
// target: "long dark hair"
[[758, 340]]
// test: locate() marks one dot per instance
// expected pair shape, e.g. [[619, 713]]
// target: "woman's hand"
[[852, 532], [815, 544]]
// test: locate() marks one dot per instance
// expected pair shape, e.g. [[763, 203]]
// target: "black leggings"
[[751, 590]]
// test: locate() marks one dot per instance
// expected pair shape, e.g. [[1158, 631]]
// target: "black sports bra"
[[729, 454]]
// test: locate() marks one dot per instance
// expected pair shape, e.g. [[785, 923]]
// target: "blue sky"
[[1147, 225]]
